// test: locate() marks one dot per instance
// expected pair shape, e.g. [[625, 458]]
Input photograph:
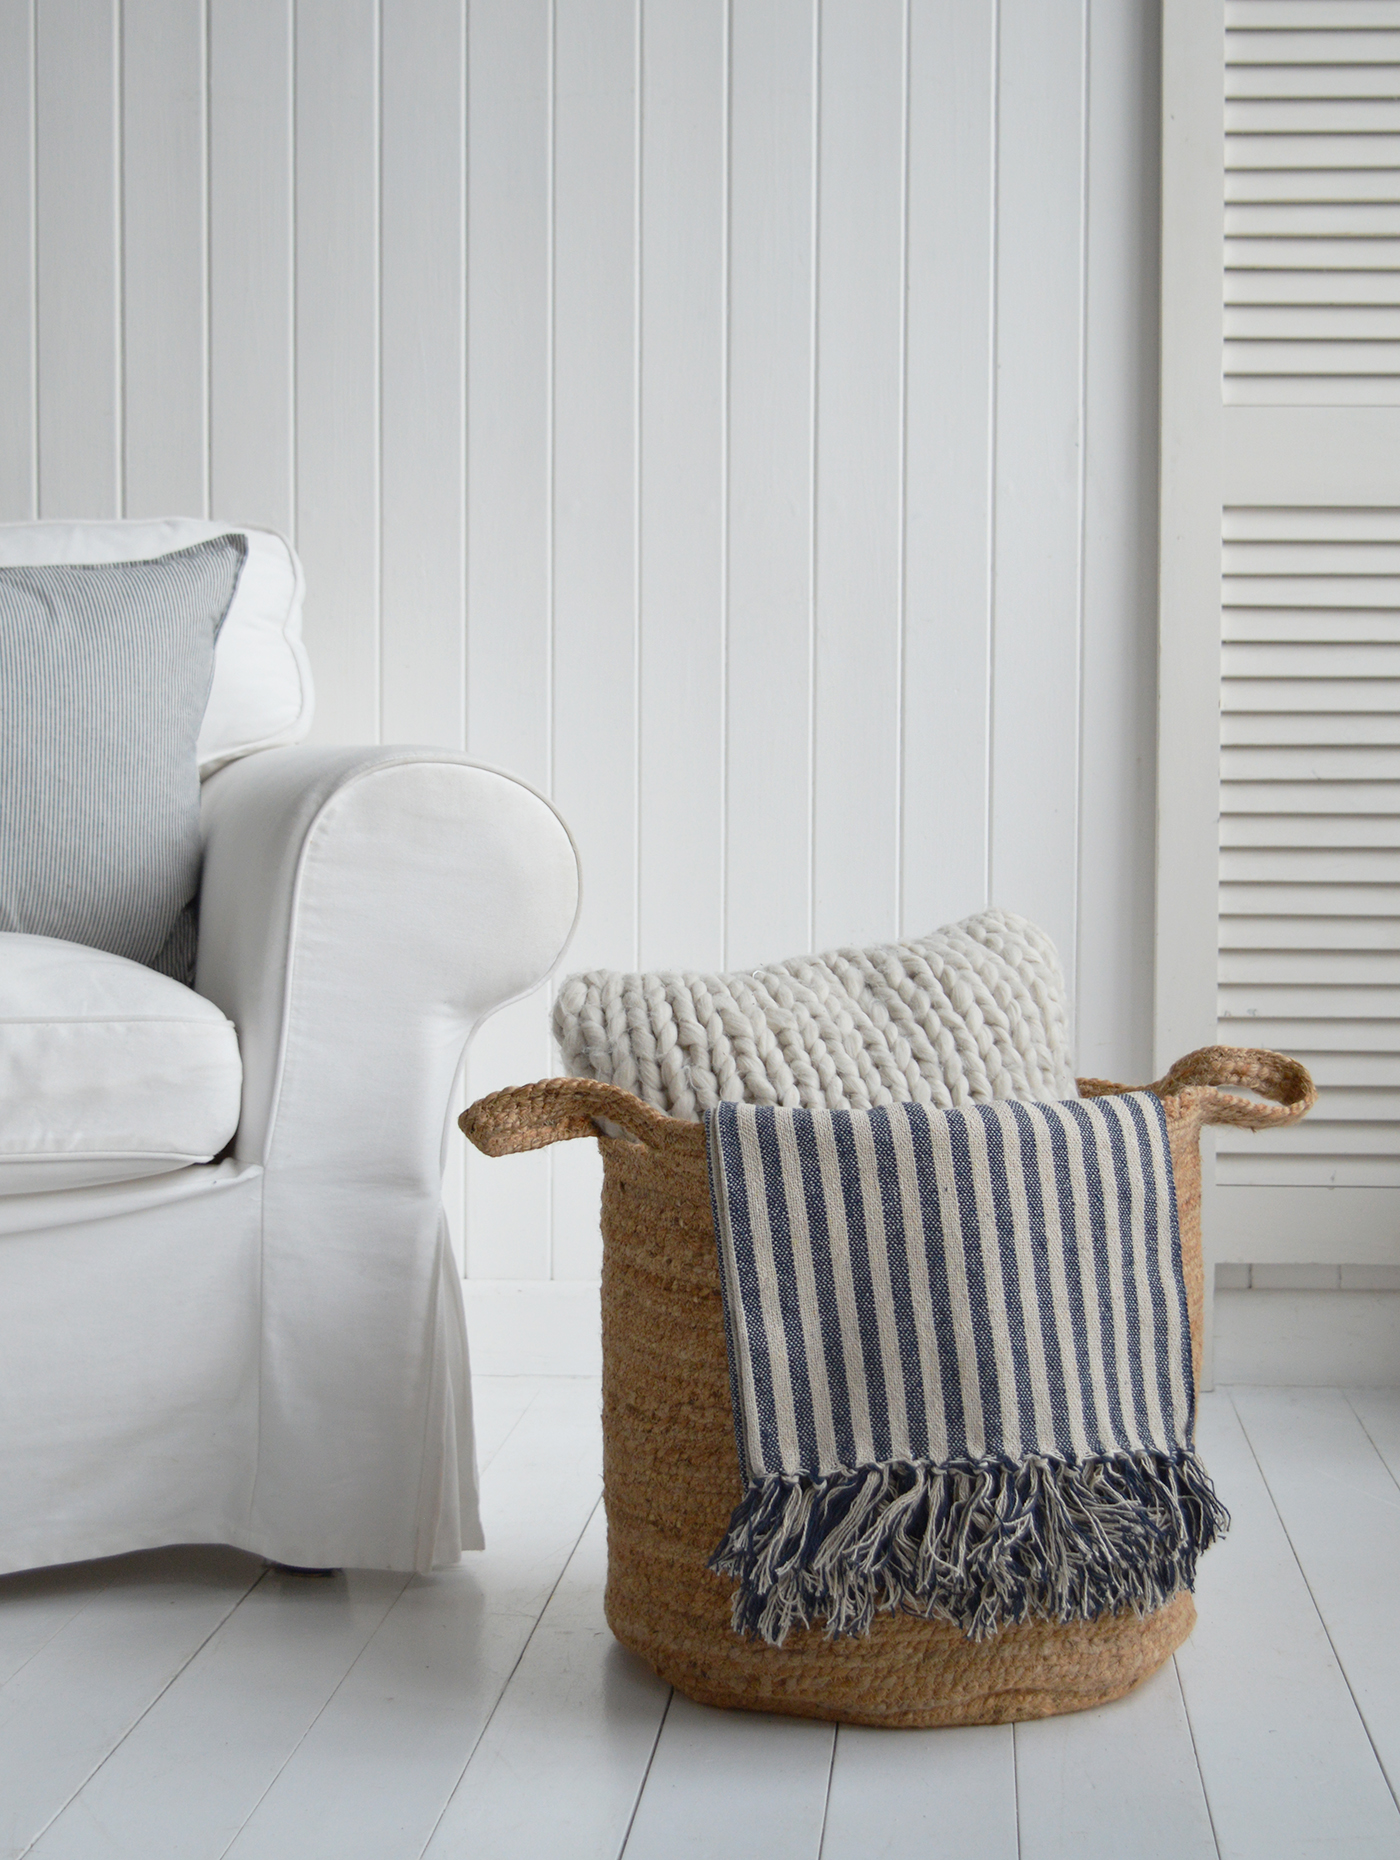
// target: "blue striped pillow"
[[104, 675]]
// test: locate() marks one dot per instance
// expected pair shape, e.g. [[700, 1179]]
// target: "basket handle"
[[530, 1117], [1281, 1080]]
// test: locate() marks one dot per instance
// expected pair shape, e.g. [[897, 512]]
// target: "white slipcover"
[[269, 1351], [108, 1071]]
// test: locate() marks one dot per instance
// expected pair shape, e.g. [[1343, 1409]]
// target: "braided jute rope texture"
[[671, 1468], [974, 1011]]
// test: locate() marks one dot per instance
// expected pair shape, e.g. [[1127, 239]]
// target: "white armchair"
[[268, 1349]]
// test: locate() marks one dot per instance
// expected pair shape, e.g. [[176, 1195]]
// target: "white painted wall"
[[740, 420]]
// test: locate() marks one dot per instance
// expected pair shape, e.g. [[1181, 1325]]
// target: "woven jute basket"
[[671, 1466]]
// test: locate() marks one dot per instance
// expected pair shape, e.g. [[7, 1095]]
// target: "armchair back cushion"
[[105, 671], [261, 696]]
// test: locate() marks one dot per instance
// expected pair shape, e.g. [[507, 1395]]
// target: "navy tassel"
[[980, 1544]]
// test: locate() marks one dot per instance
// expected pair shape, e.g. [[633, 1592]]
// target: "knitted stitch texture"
[[974, 1011]]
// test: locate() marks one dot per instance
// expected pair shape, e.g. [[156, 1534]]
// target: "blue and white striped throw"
[[960, 1358]]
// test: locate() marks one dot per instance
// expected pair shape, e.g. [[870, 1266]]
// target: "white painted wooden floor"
[[191, 1704]]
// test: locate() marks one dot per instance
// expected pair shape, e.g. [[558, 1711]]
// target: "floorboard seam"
[[826, 1801], [1361, 1423], [1016, 1787], [146, 1709], [77, 1613], [506, 1685], [501, 1444], [1196, 1753], [1322, 1619], [646, 1774], [310, 1726]]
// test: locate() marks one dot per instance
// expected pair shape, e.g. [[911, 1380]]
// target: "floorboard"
[[373, 1774], [1341, 1508], [36, 1604], [67, 1708], [1288, 1768], [733, 1785], [1082, 1781], [922, 1795], [562, 1762], [202, 1757]]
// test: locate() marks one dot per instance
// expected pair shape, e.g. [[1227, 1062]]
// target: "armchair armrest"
[[361, 911]]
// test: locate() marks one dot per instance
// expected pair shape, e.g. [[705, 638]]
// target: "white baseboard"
[[533, 1327], [1311, 1339]]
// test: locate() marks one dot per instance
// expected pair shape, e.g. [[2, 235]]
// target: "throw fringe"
[[984, 1544]]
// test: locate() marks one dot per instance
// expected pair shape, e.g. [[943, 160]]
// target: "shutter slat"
[[1313, 832], [1311, 660], [1316, 797], [1289, 865], [1327, 219], [1320, 969], [1305, 1038], [1350, 1070], [1252, 934], [1312, 625], [1360, 695], [1301, 727], [1310, 323], [1269, 187], [1305, 901], [1253, 154], [1310, 15], [1284, 252], [1312, 1138], [1308, 559], [1327, 590]]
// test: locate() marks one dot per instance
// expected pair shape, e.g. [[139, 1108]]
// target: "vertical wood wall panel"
[[423, 371], [737, 419], [337, 358], [1036, 650], [422, 297], [19, 488], [509, 545], [768, 699], [597, 54], [252, 350], [682, 407], [948, 460], [860, 443], [1117, 854], [509, 360], [79, 336], [164, 250]]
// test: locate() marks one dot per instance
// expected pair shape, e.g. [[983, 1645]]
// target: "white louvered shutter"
[[1310, 832], [1301, 447]]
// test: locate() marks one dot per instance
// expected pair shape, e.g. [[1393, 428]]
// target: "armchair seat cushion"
[[108, 1070]]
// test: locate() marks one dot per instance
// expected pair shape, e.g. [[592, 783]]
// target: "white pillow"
[[107, 1070], [975, 1011], [261, 695]]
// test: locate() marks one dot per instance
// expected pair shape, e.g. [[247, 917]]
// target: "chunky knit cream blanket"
[[975, 1011]]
